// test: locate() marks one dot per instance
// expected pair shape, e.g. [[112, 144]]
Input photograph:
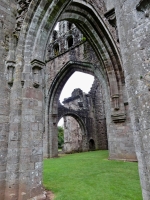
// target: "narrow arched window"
[[69, 26], [56, 49], [70, 42], [55, 35]]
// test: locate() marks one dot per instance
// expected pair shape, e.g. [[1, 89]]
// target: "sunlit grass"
[[91, 176]]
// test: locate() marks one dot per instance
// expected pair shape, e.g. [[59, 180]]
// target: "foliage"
[[60, 136], [83, 39], [91, 176]]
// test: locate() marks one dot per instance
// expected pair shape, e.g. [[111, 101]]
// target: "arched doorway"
[[91, 145], [94, 98]]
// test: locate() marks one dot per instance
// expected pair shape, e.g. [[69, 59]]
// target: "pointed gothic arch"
[[52, 101], [30, 53]]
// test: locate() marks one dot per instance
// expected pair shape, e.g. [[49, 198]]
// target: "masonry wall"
[[72, 136], [91, 107], [22, 103], [119, 134], [72, 131], [99, 117], [134, 27], [7, 23]]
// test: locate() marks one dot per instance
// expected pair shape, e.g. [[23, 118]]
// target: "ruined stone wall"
[[72, 130], [78, 101], [7, 23], [85, 53], [119, 131], [93, 104], [133, 19], [99, 117], [54, 65], [22, 121], [17, 159], [59, 40], [72, 135]]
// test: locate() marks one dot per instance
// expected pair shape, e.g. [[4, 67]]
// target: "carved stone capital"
[[10, 69], [111, 17], [10, 63], [37, 65]]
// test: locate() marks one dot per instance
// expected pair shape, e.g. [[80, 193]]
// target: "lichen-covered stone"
[[116, 52]]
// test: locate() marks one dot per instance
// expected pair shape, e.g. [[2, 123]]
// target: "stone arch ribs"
[[99, 37], [54, 113], [53, 99], [115, 86], [93, 27], [37, 29], [81, 118], [32, 43], [61, 78], [62, 112]]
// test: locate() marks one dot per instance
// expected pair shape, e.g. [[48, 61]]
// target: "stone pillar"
[[31, 141], [53, 136], [134, 27], [12, 170], [7, 23], [25, 145], [4, 125], [119, 129]]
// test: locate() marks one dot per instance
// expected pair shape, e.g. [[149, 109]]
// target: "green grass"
[[91, 176]]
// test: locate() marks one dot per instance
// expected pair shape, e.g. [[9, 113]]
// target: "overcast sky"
[[77, 80]]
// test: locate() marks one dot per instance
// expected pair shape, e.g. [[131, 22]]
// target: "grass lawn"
[[90, 176]]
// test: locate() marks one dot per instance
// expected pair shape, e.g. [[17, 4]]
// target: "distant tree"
[[60, 136]]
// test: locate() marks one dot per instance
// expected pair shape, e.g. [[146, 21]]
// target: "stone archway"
[[52, 115], [36, 93], [76, 136], [76, 116], [27, 94]]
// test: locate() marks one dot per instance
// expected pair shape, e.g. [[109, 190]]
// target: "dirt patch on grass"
[[49, 195]]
